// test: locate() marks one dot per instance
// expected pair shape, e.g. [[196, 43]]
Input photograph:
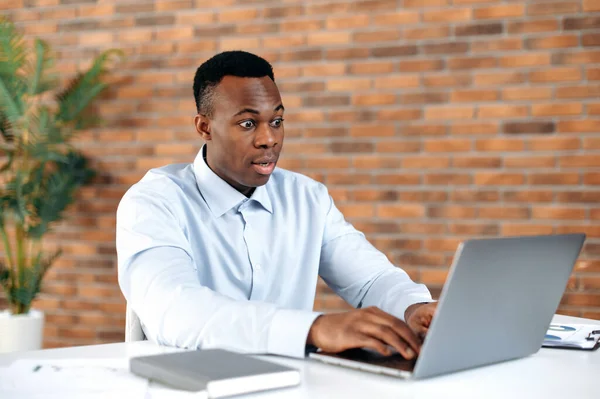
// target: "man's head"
[[240, 117]]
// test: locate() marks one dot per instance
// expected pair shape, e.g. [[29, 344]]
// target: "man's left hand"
[[418, 317]]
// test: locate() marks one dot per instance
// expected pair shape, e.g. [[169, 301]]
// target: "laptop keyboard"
[[395, 361]]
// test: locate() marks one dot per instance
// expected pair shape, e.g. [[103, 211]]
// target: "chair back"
[[133, 326]]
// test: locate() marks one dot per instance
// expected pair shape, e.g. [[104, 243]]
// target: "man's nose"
[[265, 137]]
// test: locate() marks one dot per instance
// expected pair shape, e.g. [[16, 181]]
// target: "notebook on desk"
[[218, 372]]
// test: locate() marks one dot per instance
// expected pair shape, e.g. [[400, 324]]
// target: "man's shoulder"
[[166, 182], [294, 181]]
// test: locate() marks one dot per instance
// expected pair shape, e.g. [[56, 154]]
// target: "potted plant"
[[40, 170]]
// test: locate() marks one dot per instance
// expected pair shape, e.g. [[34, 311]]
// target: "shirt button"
[[258, 266]]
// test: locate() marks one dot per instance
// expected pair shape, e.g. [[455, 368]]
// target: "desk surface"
[[550, 373]]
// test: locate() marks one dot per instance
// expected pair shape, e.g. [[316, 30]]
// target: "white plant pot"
[[22, 332]]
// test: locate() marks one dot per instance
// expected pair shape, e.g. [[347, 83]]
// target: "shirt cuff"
[[405, 302], [288, 332]]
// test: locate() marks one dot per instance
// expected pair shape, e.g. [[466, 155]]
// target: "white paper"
[[71, 379], [571, 335]]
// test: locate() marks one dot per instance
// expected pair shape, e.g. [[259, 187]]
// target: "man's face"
[[244, 135]]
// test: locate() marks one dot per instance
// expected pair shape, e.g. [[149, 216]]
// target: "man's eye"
[[247, 124], [277, 122]]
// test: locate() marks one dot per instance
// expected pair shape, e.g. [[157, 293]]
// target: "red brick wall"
[[431, 121]]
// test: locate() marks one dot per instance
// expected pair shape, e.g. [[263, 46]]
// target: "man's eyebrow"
[[253, 111], [247, 110]]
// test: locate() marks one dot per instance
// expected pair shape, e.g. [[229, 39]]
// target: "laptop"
[[496, 305]]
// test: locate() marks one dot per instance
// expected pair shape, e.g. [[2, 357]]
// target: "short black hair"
[[228, 63]]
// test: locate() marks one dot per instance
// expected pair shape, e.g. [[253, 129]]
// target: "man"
[[226, 252]]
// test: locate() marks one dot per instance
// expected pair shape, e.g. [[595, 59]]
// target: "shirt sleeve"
[[360, 273], [159, 280]]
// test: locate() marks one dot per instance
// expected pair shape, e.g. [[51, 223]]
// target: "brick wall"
[[431, 121]]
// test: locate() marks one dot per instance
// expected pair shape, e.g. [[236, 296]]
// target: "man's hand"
[[363, 328], [418, 317]]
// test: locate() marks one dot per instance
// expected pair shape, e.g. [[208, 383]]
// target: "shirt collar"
[[218, 194]]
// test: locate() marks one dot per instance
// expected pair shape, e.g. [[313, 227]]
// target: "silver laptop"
[[496, 305]]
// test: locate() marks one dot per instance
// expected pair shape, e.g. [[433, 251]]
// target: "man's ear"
[[202, 124]]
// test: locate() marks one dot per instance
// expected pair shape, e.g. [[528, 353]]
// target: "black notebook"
[[218, 372]]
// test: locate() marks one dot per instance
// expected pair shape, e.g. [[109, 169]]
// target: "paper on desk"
[[568, 335], [70, 379]]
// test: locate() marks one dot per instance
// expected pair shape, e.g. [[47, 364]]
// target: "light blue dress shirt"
[[203, 266]]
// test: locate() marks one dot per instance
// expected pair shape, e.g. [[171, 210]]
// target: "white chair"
[[133, 326]]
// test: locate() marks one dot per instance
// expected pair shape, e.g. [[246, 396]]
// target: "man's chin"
[[261, 180], [255, 180]]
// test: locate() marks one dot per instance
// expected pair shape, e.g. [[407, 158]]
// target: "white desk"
[[551, 373]]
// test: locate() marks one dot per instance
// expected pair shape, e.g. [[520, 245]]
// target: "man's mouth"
[[263, 168]]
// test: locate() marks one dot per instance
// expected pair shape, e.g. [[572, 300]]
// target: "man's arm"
[[159, 280], [361, 274], [365, 278]]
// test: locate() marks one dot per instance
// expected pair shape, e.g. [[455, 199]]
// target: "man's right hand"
[[363, 328]]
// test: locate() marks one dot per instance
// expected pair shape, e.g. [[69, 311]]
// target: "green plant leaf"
[[40, 79], [47, 143], [60, 186], [12, 83], [81, 120], [44, 266], [6, 128], [15, 198], [44, 129], [86, 86], [12, 48], [21, 295], [4, 273], [9, 153], [11, 98], [73, 105]]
